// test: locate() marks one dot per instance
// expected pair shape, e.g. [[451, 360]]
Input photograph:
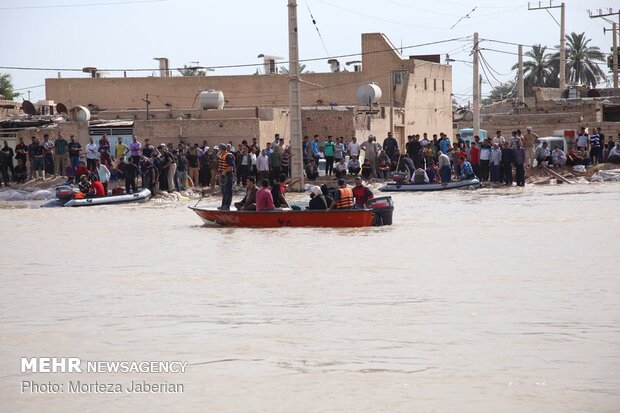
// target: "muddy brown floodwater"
[[504, 300]]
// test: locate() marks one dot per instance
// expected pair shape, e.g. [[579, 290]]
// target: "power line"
[[464, 17], [235, 65], [58, 6], [378, 18], [316, 27]]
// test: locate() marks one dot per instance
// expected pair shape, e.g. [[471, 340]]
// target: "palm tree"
[[581, 62], [189, 71], [284, 69], [538, 69]]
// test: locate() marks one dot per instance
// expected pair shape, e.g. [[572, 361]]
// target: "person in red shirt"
[[81, 170], [264, 199], [361, 194], [474, 157], [96, 188]]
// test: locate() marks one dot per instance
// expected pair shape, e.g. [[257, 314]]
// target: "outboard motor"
[[383, 208], [65, 193], [399, 177]]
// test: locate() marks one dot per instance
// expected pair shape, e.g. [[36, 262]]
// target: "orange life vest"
[[222, 164], [346, 199]]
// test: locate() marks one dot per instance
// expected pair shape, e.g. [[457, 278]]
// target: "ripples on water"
[[490, 300]]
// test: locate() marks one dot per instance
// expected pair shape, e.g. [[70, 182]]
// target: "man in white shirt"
[[542, 155], [614, 154], [262, 165], [92, 154], [558, 157], [354, 148], [582, 140]]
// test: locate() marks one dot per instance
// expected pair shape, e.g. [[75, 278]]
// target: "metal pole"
[[476, 86], [615, 55], [563, 47], [297, 161], [391, 102], [147, 106], [521, 80]]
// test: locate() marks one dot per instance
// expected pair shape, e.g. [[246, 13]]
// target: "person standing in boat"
[[103, 173], [343, 198], [444, 167], [226, 174]]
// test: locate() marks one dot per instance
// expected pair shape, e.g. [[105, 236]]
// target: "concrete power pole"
[[521, 80], [297, 161], [476, 87], [615, 42], [562, 37]]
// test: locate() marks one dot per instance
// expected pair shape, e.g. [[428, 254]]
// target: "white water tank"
[[369, 93], [80, 114], [212, 99]]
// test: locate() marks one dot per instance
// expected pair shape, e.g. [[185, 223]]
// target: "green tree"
[[581, 62], [6, 87], [503, 91], [537, 70], [189, 71], [284, 69]]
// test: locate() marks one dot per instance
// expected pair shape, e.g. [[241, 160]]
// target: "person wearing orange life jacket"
[[225, 171], [343, 198]]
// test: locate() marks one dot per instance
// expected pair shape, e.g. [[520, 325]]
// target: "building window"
[[443, 85], [435, 84], [424, 83], [398, 77]]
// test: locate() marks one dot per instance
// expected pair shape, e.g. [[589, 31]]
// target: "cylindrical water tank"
[[212, 99], [80, 114], [369, 93]]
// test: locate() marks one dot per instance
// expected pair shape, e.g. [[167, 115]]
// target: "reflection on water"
[[490, 300]]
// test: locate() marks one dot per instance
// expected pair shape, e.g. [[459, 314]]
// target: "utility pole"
[[562, 37], [148, 102], [294, 101], [476, 87], [521, 80], [614, 55]]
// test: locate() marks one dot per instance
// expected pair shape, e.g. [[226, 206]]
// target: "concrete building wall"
[[424, 110]]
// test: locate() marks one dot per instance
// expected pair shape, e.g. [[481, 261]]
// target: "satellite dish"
[[60, 108], [28, 108]]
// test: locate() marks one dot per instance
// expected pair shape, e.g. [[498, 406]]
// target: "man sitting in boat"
[[248, 203], [361, 193], [343, 198], [317, 200], [264, 199], [96, 188], [419, 177], [432, 172], [467, 171], [84, 184]]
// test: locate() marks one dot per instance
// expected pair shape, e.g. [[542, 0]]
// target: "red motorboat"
[[379, 212]]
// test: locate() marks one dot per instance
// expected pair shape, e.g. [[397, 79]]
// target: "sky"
[[124, 34]]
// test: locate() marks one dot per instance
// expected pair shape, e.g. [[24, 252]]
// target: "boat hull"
[[396, 187], [141, 196], [273, 219]]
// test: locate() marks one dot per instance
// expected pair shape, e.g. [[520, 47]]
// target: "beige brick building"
[[416, 98]]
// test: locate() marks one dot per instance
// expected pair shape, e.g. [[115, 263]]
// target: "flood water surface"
[[503, 300]]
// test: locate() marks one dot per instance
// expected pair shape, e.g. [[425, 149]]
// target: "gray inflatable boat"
[[396, 186], [65, 195]]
